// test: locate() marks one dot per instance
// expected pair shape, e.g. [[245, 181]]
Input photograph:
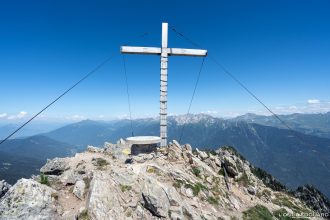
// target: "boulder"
[[211, 163], [94, 149], [28, 199], [235, 203], [189, 213], [69, 177], [205, 169], [202, 154], [4, 187], [209, 179], [176, 144], [189, 193], [154, 198], [230, 166], [55, 166], [103, 199], [79, 189], [175, 213], [124, 177], [174, 151], [187, 147], [209, 216], [141, 158], [173, 196], [251, 190]]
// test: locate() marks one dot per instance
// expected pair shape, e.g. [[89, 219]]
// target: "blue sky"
[[279, 49]]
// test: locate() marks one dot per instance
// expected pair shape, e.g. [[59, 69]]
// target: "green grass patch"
[[83, 215], [125, 188], [101, 162], [196, 188], [178, 183], [283, 200], [44, 179], [257, 212], [212, 200], [221, 172], [196, 171]]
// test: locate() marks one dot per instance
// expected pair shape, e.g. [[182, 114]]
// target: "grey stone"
[[154, 198], [124, 177], [189, 193], [94, 149], [138, 159], [175, 213], [202, 155], [251, 190], [173, 196], [79, 189], [103, 201], [69, 178], [209, 179], [148, 156], [176, 144], [55, 166], [231, 171], [230, 166], [174, 152], [187, 147], [210, 163], [28, 199], [234, 202], [4, 187], [189, 213], [209, 216]]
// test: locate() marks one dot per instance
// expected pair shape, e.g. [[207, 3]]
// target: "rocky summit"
[[169, 183]]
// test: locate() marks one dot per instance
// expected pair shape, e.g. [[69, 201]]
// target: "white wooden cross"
[[164, 52]]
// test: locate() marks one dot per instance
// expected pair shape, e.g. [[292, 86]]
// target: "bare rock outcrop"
[[28, 199], [314, 198], [103, 200], [168, 183], [55, 166], [154, 198], [4, 187]]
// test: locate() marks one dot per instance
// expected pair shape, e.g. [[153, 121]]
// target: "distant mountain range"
[[295, 158], [313, 124]]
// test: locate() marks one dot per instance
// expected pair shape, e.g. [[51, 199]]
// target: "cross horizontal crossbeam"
[[158, 51]]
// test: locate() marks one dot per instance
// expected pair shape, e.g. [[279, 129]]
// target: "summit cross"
[[164, 52]]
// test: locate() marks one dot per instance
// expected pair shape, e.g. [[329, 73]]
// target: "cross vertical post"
[[164, 52], [163, 86]]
